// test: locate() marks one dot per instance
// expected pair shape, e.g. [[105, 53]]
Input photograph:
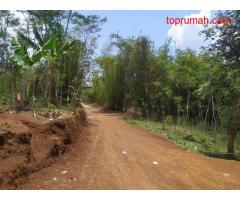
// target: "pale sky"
[[152, 24]]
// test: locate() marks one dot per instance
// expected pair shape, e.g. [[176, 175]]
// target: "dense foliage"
[[195, 88], [45, 56], [46, 59]]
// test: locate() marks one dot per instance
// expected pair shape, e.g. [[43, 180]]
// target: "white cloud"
[[187, 35]]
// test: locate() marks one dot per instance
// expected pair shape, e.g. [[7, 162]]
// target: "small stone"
[[124, 152], [64, 172], [155, 163], [71, 179], [54, 179], [226, 174]]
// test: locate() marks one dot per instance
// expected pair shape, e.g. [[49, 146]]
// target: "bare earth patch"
[[28, 144], [112, 154]]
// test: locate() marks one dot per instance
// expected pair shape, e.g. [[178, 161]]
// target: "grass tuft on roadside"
[[189, 137]]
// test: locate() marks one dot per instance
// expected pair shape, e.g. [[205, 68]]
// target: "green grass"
[[192, 138], [6, 124]]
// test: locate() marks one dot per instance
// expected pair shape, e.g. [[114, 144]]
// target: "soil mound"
[[28, 144]]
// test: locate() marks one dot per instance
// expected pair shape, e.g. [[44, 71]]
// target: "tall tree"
[[225, 44]]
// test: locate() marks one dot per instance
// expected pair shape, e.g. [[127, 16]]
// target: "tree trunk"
[[234, 127], [214, 114], [230, 143], [163, 117], [206, 115], [29, 89], [188, 101], [52, 92], [178, 113]]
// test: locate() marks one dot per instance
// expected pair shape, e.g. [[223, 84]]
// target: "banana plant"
[[31, 51]]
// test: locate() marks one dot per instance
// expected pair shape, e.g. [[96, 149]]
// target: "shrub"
[[169, 120], [81, 114], [51, 106]]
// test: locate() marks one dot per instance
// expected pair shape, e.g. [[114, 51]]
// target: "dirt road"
[[112, 154]]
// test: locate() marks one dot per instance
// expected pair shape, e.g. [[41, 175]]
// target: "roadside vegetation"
[[46, 63], [45, 57], [192, 89], [190, 137]]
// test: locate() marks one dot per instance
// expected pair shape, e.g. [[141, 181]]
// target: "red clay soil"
[[112, 154], [28, 144]]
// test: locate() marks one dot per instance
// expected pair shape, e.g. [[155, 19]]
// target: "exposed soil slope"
[[28, 144], [115, 155]]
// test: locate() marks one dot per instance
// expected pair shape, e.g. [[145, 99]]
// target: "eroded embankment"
[[27, 145]]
